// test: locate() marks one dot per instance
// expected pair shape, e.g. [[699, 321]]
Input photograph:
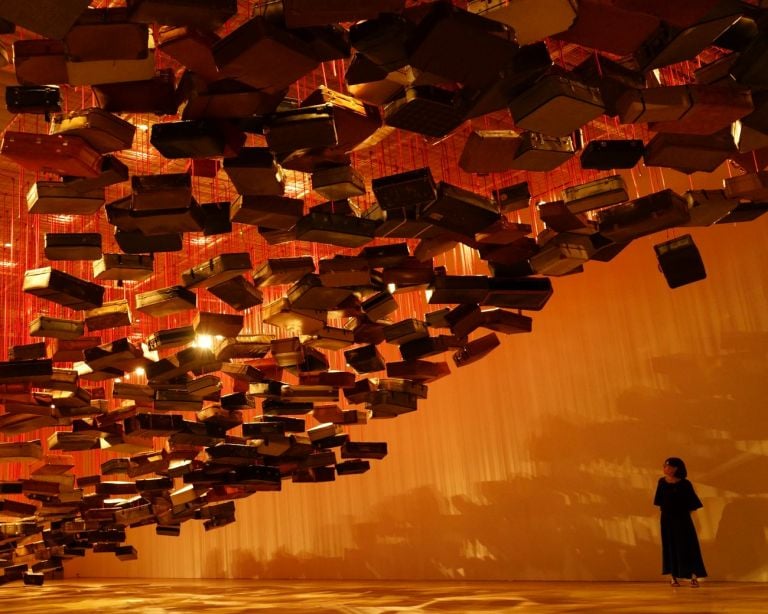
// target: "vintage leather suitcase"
[[689, 153], [331, 338], [529, 293], [458, 289], [354, 120], [72, 246], [216, 270], [106, 34], [112, 314], [281, 313], [155, 222], [59, 198], [476, 349], [204, 14], [263, 55], [56, 328], [513, 198], [118, 354], [460, 211], [713, 108], [166, 301], [37, 99], [226, 99], [556, 105], [165, 191], [102, 73], [334, 229], [596, 194], [605, 155], [103, 131], [277, 271], [643, 216], [275, 212], [365, 359], [309, 293], [254, 172], [611, 78], [216, 218], [308, 127], [40, 61], [344, 272], [404, 331], [407, 190], [654, 104], [190, 47], [680, 261], [71, 349], [507, 322], [489, 151], [425, 109], [752, 186], [55, 154], [238, 293], [28, 351], [338, 182], [124, 267], [217, 324], [708, 207], [111, 171], [51, 18], [154, 95], [63, 288], [171, 338], [539, 152], [379, 306], [202, 138], [533, 20]]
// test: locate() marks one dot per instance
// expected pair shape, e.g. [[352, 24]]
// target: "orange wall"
[[540, 462]]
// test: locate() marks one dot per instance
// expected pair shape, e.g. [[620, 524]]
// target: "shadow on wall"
[[588, 514]]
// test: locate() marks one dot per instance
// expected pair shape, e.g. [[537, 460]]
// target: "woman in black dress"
[[681, 555]]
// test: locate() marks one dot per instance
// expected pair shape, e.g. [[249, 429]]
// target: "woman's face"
[[669, 470]]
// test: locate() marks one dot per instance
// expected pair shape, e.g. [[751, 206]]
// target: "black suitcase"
[[333, 229], [513, 198], [406, 190], [460, 211], [201, 138], [137, 243], [203, 14], [680, 261], [274, 212], [605, 155], [305, 128], [63, 288], [72, 246], [37, 99], [238, 293], [425, 109]]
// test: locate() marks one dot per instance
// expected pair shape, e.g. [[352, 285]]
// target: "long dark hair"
[[680, 471]]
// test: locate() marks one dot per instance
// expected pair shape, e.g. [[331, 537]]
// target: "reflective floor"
[[235, 596]]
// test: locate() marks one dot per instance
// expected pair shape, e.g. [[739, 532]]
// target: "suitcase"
[[423, 371], [308, 127], [539, 152], [102, 73], [529, 293], [71, 350], [752, 186], [611, 78], [345, 272], [59, 198], [238, 293], [384, 255], [305, 321], [190, 47], [165, 191], [56, 328], [217, 324], [51, 18], [111, 172], [236, 100], [103, 131], [680, 261], [124, 267], [556, 105], [216, 270], [354, 120], [606, 26], [306, 13], [309, 293], [643, 216], [558, 218], [713, 108], [138, 243], [426, 110], [404, 331], [278, 271], [717, 72], [708, 207], [120, 354], [62, 288], [406, 190], [333, 229], [689, 153], [106, 34], [244, 346], [40, 61], [365, 359], [53, 154], [203, 14], [534, 20], [274, 212], [476, 349], [506, 322], [338, 182], [751, 131], [37, 99], [196, 139], [216, 218], [254, 172], [72, 246], [170, 338], [654, 104], [28, 351], [513, 198], [596, 194], [370, 83], [460, 211], [153, 95], [489, 151], [263, 55], [458, 289], [605, 155], [744, 212], [458, 46], [112, 314], [166, 301], [155, 222]]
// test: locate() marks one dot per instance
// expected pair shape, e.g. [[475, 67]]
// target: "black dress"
[[681, 555]]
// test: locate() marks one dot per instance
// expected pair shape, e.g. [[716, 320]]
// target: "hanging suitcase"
[[227, 99], [305, 321], [62, 288], [40, 61], [54, 154], [506, 322], [460, 211], [605, 155], [333, 229], [137, 243], [713, 108], [166, 301], [611, 78], [238, 293], [153, 95], [304, 128], [513, 198], [306, 13], [111, 172], [106, 34], [28, 351], [59, 198], [643, 216], [476, 349], [37, 99], [752, 186], [155, 222], [489, 151], [654, 104], [56, 328], [71, 350], [529, 293], [556, 105], [254, 172], [165, 191], [72, 246], [275, 212], [124, 267], [596, 194], [217, 270], [539, 152], [191, 48], [338, 182], [216, 218], [426, 110], [203, 14], [309, 293], [689, 153], [680, 261], [112, 314], [103, 131], [51, 18], [277, 271], [406, 190], [102, 73], [170, 338], [708, 207], [534, 20], [196, 139]]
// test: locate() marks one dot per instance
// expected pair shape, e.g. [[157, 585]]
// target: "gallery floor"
[[366, 597]]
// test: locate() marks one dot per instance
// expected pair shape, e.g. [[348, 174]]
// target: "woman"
[[681, 555]]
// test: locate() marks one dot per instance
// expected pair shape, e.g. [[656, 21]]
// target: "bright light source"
[[139, 371], [391, 288], [142, 127], [203, 341], [428, 294]]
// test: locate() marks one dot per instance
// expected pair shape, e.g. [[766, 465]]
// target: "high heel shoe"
[[674, 582], [694, 583]]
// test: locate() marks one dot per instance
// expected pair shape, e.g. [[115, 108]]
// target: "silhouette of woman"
[[681, 555]]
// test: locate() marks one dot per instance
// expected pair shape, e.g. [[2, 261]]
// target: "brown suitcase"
[[274, 212], [654, 104], [476, 349], [204, 14], [489, 151], [103, 131], [62, 288], [51, 153], [72, 246], [51, 18], [134, 242], [539, 152], [752, 186], [217, 270], [155, 222], [191, 48], [338, 182], [217, 324], [28, 351], [596, 194], [713, 108], [643, 216], [171, 338], [305, 13], [164, 191], [56, 328], [305, 321], [102, 73], [244, 346], [689, 153], [300, 129], [277, 271], [238, 293], [124, 267], [254, 172], [111, 172], [309, 293], [506, 322], [40, 62], [153, 95], [119, 354], [426, 110], [112, 314], [227, 99], [460, 211], [333, 229], [106, 34], [533, 20], [166, 301], [708, 207], [60, 198], [71, 350]]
